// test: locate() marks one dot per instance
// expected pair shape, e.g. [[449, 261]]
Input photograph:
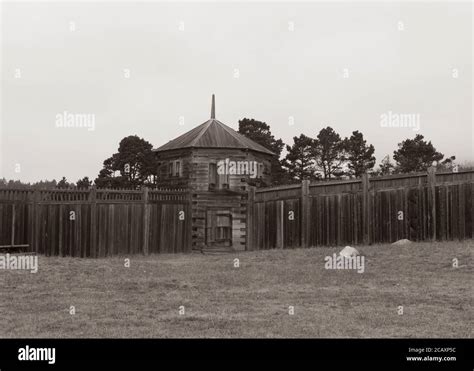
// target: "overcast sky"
[[337, 64]]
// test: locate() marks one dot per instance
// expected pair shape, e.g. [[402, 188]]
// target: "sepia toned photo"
[[236, 170]]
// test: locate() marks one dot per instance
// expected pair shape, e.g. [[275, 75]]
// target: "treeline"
[[326, 156], [330, 156], [83, 183]]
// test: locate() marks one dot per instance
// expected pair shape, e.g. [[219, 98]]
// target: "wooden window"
[[212, 176], [223, 232], [223, 181], [216, 180], [218, 228], [170, 169], [177, 168], [260, 170]]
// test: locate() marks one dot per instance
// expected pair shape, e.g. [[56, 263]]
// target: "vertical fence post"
[[365, 209], [36, 220], [280, 239], [189, 221], [305, 213], [250, 219], [93, 236], [13, 224], [432, 200], [146, 220]]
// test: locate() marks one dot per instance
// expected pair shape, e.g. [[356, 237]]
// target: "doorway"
[[218, 227]]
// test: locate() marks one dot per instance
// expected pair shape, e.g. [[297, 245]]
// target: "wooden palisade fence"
[[362, 211], [99, 223], [96, 223]]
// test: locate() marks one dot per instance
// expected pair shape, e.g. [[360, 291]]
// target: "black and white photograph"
[[228, 179]]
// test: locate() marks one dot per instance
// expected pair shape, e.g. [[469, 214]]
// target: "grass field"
[[253, 300]]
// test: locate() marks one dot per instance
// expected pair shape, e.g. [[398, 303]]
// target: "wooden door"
[[218, 228]]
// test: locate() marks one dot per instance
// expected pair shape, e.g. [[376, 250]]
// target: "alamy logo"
[[75, 120], [227, 166], [37, 354], [400, 120], [345, 262], [19, 262]]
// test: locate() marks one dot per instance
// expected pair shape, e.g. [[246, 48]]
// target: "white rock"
[[403, 241], [348, 252]]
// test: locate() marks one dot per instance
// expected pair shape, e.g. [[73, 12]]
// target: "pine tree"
[[416, 155], [360, 156], [329, 153], [299, 159]]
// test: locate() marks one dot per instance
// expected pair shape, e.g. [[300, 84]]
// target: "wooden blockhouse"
[[217, 165]]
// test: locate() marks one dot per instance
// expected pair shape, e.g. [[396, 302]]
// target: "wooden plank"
[[111, 231], [461, 213], [365, 208], [251, 219], [13, 224], [455, 214], [279, 225], [93, 222], [432, 200], [305, 213], [146, 222]]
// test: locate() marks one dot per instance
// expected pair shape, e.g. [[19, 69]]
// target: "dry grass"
[[250, 301]]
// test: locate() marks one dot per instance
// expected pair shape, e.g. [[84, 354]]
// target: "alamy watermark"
[[227, 166], [37, 354], [19, 262], [345, 262], [75, 120], [400, 120]]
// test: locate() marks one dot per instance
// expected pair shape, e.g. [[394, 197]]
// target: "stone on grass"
[[348, 252], [403, 241]]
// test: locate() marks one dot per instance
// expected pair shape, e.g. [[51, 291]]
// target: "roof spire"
[[213, 108]]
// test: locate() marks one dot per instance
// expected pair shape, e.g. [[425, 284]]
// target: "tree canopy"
[[259, 132], [360, 156], [415, 155], [135, 162], [329, 153], [84, 183], [299, 159]]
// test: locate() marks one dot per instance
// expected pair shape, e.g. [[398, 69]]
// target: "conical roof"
[[213, 134]]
